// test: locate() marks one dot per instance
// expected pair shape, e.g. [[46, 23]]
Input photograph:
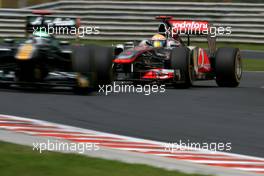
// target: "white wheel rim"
[[238, 67]]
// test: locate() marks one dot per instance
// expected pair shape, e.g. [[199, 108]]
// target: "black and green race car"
[[42, 60]]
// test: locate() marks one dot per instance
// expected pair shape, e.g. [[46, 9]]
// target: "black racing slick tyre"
[[82, 59], [181, 60], [103, 60], [228, 67], [83, 65], [95, 61]]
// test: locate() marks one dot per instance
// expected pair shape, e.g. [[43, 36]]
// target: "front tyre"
[[228, 67], [181, 60]]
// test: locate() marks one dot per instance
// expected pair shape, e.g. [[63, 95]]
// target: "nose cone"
[[126, 57]]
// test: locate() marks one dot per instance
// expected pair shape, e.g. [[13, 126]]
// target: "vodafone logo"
[[194, 25], [189, 27]]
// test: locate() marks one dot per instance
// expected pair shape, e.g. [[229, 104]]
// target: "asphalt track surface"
[[250, 54], [204, 113]]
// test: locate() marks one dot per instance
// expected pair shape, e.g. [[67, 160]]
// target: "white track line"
[[120, 142]]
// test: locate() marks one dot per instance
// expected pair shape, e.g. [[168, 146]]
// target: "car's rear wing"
[[43, 21], [174, 27]]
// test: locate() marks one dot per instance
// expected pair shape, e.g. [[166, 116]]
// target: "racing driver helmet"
[[158, 41]]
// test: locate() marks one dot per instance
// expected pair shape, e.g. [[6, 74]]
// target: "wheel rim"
[[191, 71], [238, 67]]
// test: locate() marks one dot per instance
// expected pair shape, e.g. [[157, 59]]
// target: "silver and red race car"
[[167, 59]]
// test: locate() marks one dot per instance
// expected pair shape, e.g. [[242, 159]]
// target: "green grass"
[[253, 64], [242, 46], [252, 1], [23, 161], [249, 64]]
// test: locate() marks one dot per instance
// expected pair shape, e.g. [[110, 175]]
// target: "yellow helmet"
[[158, 40]]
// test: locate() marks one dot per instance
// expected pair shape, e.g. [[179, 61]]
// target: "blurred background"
[[135, 20], [24, 3], [21, 3]]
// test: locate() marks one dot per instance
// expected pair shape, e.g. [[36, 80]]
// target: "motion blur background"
[[23, 3], [135, 20]]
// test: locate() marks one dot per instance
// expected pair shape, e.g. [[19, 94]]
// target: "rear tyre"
[[82, 59], [228, 67], [181, 60], [103, 57], [96, 62], [83, 64]]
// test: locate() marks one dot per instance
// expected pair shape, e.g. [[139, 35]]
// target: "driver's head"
[[158, 41]]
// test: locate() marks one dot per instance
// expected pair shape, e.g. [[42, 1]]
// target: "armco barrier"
[[132, 20]]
